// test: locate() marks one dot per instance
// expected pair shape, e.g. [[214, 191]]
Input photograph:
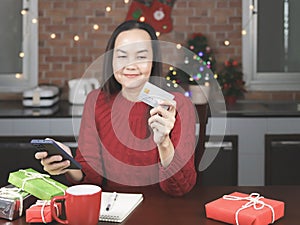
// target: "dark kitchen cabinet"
[[219, 162], [282, 159]]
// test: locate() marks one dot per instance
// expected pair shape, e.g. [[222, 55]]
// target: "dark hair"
[[111, 85]]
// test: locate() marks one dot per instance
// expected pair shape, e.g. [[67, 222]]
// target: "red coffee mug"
[[82, 205]]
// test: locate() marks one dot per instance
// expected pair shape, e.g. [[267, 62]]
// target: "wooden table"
[[160, 209]]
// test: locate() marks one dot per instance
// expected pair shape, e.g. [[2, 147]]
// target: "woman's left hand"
[[162, 120]]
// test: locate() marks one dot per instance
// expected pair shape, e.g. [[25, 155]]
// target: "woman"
[[123, 141]]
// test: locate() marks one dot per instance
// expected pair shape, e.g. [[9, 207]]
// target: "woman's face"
[[132, 59]]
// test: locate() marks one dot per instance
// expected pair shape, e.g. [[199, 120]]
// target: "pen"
[[111, 201]]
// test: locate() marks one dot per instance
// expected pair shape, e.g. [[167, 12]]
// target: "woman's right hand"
[[54, 164]]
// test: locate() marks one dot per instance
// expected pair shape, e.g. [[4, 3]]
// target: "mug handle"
[[53, 209]]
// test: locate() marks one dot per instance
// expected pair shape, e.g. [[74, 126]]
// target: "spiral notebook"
[[124, 204]]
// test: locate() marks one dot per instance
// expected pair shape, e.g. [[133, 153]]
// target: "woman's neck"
[[131, 95]]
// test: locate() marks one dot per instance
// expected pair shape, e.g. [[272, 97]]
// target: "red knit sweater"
[[116, 147]]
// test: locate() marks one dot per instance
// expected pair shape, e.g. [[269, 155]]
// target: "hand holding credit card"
[[152, 95]]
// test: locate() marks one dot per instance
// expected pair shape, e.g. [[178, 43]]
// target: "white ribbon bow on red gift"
[[254, 199], [45, 203]]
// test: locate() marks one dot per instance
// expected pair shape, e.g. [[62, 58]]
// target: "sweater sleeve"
[[180, 176], [88, 153]]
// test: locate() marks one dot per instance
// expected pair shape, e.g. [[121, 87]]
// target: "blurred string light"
[[21, 54], [253, 11], [34, 20], [19, 75], [108, 9], [25, 12], [200, 65], [186, 60], [96, 27], [226, 43], [244, 32], [76, 37], [178, 46], [142, 19]]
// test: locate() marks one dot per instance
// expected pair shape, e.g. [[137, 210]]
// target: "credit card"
[[152, 95]]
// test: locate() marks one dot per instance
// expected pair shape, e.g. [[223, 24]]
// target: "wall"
[[62, 58]]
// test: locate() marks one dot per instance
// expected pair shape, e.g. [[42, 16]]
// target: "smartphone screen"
[[52, 148]]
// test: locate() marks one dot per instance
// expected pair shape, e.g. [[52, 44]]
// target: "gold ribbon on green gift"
[[23, 179], [13, 193]]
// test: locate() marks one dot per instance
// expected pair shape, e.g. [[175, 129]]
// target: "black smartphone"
[[54, 149]]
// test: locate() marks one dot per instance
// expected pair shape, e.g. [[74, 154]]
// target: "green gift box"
[[39, 185]]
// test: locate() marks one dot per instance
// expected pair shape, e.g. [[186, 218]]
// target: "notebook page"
[[125, 203]]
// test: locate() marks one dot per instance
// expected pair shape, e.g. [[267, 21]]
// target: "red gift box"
[[40, 212], [243, 209]]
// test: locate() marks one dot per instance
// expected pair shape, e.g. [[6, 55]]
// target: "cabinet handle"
[[225, 145], [276, 143]]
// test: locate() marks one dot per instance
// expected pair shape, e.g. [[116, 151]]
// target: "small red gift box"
[[243, 209], [40, 212]]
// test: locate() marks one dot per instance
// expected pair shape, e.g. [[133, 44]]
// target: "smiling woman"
[[123, 141], [132, 63], [18, 44]]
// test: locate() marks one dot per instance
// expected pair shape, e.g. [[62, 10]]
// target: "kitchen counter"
[[63, 109], [264, 109]]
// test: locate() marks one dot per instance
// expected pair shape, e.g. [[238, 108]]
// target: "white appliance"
[[41, 96], [80, 88]]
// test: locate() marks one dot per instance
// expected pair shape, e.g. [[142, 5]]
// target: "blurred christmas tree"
[[231, 81], [198, 65]]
